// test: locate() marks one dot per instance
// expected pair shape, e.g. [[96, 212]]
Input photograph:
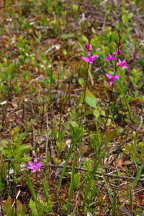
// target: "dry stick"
[[14, 202], [77, 202], [140, 124]]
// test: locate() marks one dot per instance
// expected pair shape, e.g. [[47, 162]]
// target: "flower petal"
[[117, 76], [109, 76], [85, 58], [110, 57], [39, 164], [94, 57], [30, 163]]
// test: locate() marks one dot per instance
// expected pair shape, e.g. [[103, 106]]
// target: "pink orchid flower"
[[112, 78], [122, 64], [90, 59], [88, 46], [110, 57], [34, 166]]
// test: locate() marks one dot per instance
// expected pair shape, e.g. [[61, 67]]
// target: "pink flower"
[[122, 64], [112, 78], [110, 58], [90, 59], [34, 166], [88, 46]]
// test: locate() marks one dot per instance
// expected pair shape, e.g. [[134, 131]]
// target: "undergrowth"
[[71, 108]]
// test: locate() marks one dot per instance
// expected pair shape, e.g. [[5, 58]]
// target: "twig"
[[140, 124]]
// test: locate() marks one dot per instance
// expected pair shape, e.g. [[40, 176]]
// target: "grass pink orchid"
[[34, 166], [122, 64], [88, 46], [90, 59], [112, 78], [110, 58]]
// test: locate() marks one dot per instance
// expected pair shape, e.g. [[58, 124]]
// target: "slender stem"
[[90, 75], [125, 101], [85, 88]]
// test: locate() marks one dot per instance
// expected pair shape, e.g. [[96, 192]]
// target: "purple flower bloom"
[[88, 46], [90, 59], [122, 64], [34, 166], [112, 78], [119, 46], [110, 58]]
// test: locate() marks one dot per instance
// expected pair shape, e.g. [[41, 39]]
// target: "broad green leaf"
[[81, 81], [76, 181], [90, 99]]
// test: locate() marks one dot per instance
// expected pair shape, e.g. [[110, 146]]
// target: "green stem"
[[124, 101], [71, 187]]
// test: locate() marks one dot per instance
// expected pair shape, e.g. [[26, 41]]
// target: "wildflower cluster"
[[112, 78], [34, 166], [90, 58], [122, 64], [111, 57]]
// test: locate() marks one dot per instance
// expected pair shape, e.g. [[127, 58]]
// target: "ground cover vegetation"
[[71, 108]]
